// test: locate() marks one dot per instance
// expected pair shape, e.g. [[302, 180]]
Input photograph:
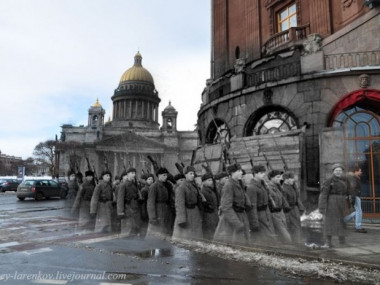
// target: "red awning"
[[351, 99]]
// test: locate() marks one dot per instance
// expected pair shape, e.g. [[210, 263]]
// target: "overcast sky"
[[58, 56]]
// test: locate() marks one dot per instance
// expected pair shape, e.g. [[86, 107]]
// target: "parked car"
[[9, 184], [40, 189]]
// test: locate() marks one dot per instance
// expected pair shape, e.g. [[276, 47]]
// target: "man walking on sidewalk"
[[354, 180]]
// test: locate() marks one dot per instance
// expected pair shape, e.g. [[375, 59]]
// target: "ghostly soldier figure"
[[159, 211], [221, 179], [128, 207], [333, 204], [148, 180], [210, 209], [82, 202], [293, 216], [188, 204], [278, 205], [101, 203], [233, 226], [71, 194], [260, 218]]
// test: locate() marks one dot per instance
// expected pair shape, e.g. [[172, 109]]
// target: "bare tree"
[[44, 153]]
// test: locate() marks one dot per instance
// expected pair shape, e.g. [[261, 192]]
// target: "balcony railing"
[[285, 38], [274, 74], [352, 59]]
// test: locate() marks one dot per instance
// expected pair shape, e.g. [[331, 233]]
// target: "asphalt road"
[[38, 245]]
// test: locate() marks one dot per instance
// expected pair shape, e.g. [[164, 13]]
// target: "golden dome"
[[97, 104], [137, 72]]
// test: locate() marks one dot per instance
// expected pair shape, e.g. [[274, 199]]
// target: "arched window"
[[361, 128], [217, 132], [94, 121], [270, 120]]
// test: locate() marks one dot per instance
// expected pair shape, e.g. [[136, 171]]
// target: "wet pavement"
[[38, 243]]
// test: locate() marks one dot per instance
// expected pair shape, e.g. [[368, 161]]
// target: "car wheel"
[[21, 198], [39, 196]]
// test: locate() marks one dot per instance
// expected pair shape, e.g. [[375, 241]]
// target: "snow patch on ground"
[[321, 269]]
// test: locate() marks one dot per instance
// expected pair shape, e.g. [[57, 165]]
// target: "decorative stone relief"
[[347, 3], [312, 44], [239, 65], [364, 80]]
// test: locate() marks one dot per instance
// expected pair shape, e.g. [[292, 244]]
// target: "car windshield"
[[27, 183]]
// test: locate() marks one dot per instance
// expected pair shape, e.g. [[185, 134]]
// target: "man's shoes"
[[363, 231]]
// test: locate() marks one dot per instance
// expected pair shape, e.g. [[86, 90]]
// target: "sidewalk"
[[361, 249]]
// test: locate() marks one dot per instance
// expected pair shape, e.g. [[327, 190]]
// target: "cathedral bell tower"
[[96, 119], [169, 119]]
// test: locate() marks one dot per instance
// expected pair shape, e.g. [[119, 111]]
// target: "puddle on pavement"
[[151, 253]]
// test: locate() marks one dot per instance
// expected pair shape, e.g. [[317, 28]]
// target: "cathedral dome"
[[137, 72]]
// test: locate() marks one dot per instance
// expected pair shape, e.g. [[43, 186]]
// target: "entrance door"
[[361, 132]]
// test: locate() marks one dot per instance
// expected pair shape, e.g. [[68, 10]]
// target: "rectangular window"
[[287, 18]]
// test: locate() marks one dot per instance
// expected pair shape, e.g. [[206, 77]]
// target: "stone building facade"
[[309, 69], [131, 136]]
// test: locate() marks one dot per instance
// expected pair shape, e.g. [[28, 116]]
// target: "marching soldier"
[[260, 218], [148, 180], [116, 223], [128, 207], [233, 226], [333, 204], [72, 192], [82, 202], [221, 179], [210, 211], [188, 203], [101, 203], [278, 205], [292, 196], [158, 205]]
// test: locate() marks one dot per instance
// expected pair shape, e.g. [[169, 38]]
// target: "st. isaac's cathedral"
[[131, 136]]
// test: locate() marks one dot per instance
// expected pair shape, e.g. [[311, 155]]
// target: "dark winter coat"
[[293, 215], [233, 225], [71, 195], [159, 211], [333, 203], [128, 208], [210, 212], [260, 218], [188, 220], [101, 205], [82, 203], [277, 209]]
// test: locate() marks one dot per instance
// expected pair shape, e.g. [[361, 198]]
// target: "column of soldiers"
[[221, 208]]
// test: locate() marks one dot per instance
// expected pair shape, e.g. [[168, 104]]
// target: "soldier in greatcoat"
[[210, 209], [148, 180], [333, 204], [116, 223], [188, 204], [73, 188], [101, 203], [278, 205], [128, 205], [158, 205], [82, 202], [260, 218], [292, 196], [233, 225], [220, 179]]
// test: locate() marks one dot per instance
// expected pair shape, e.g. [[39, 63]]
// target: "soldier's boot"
[[342, 240]]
